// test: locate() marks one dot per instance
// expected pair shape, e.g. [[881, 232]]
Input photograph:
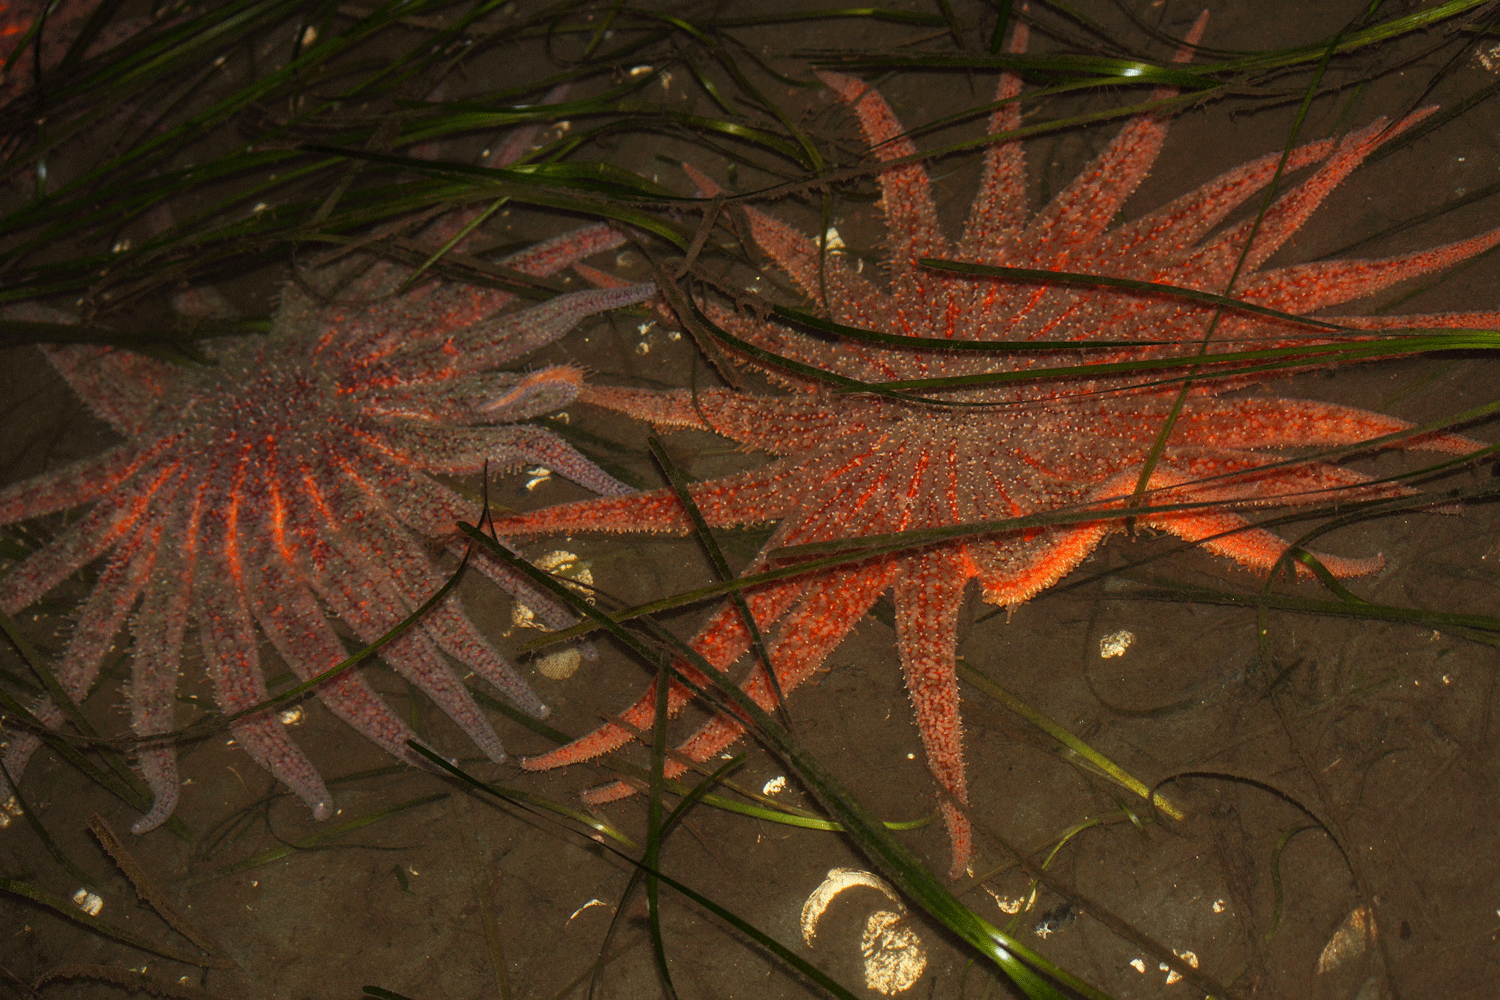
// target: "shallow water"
[[1380, 734]]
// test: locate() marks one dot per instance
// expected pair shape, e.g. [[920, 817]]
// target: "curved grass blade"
[[887, 14], [1028, 274], [146, 888], [1479, 628], [1277, 895], [317, 841], [654, 825], [1002, 19], [116, 777], [518, 797], [1076, 747], [1129, 70], [381, 993]]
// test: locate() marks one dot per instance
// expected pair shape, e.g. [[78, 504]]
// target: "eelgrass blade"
[[38, 828], [138, 982], [1028, 274], [654, 825], [146, 888], [528, 799], [1002, 19], [381, 993], [68, 911], [1132, 71], [1093, 758], [721, 568], [813, 556], [1236, 363], [1277, 893], [321, 840], [1479, 628]]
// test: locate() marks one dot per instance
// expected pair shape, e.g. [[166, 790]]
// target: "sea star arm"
[[906, 196], [517, 334], [1082, 212], [1255, 477], [1012, 574], [808, 634], [1302, 288], [99, 622], [365, 597], [227, 634], [813, 269], [298, 629], [1428, 321], [1174, 228], [389, 551], [103, 527], [780, 425], [551, 256], [1211, 265], [754, 497], [1253, 423], [121, 387], [1222, 532], [824, 278], [843, 508], [74, 484], [999, 211], [929, 592], [156, 632]]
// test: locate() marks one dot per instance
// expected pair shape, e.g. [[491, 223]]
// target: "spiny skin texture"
[[854, 465], [291, 476]]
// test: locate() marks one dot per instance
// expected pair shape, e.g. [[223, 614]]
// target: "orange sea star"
[[852, 464]]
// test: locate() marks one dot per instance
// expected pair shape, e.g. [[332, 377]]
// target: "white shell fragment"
[[893, 952], [590, 904], [88, 902], [1349, 941], [1115, 643], [894, 959], [564, 564], [559, 666]]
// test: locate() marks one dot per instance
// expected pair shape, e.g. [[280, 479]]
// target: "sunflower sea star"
[[853, 464], [290, 472]]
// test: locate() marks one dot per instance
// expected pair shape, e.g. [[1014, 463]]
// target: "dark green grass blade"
[[654, 825], [721, 566], [68, 911], [1134, 71], [1072, 744], [1027, 274], [322, 840], [858, 549]]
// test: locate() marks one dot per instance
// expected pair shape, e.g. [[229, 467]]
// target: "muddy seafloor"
[[1328, 766]]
